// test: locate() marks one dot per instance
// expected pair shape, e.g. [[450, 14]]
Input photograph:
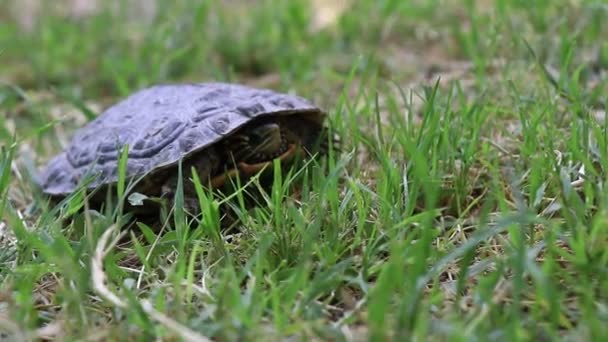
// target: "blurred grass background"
[[468, 204]]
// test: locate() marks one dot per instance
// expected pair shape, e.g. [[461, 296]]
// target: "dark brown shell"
[[161, 125]]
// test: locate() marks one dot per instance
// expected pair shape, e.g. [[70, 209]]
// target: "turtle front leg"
[[169, 189], [205, 165]]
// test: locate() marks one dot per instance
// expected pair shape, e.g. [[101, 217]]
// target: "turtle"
[[222, 130]]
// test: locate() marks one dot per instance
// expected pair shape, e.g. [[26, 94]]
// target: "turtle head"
[[259, 143]]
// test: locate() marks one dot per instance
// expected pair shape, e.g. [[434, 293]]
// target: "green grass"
[[468, 202]]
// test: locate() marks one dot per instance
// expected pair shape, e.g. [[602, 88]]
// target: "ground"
[[468, 201]]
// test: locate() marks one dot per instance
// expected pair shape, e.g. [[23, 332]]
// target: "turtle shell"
[[161, 125]]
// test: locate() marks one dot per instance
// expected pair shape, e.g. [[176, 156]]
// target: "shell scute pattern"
[[78, 156], [189, 140], [220, 125], [58, 178], [152, 142], [250, 109], [213, 94], [161, 124], [204, 113], [108, 145]]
